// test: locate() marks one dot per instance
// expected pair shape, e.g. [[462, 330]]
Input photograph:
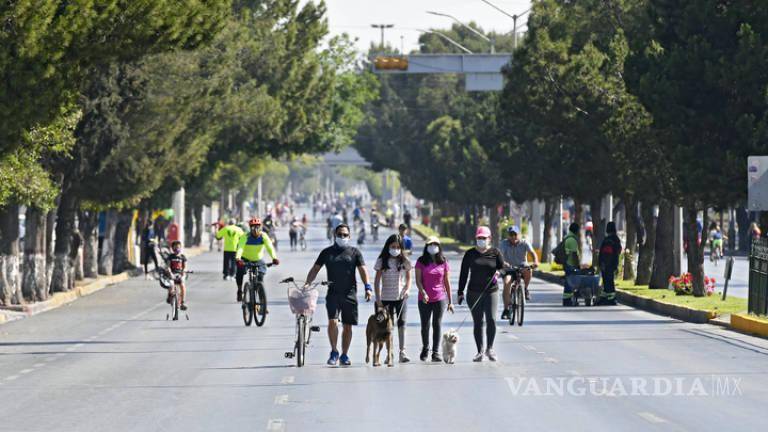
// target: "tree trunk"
[[34, 285], [745, 237], [550, 208], [598, 228], [645, 260], [630, 214], [10, 278], [107, 254], [695, 250], [122, 231], [188, 226], [200, 227], [89, 225], [63, 271], [494, 222], [50, 224], [664, 258]]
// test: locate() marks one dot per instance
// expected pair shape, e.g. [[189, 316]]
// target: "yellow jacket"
[[252, 248], [231, 235]]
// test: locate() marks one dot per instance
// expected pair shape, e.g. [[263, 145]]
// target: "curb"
[[750, 325], [84, 288]]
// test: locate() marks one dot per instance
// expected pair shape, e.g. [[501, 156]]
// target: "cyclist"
[[515, 253], [177, 264], [251, 249], [479, 269], [392, 283], [340, 261], [715, 241], [231, 234]]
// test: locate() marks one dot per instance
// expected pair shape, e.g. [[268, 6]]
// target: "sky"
[[356, 16]]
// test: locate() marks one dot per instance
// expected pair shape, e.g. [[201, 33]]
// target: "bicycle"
[[715, 251], [173, 294], [302, 303], [517, 293], [254, 302]]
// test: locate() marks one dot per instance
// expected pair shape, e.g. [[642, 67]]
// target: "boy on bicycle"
[[177, 263]]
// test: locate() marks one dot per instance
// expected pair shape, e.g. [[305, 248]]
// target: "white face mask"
[[433, 249], [482, 244], [394, 252], [342, 242]]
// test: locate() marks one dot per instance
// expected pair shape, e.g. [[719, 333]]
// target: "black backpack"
[[559, 253]]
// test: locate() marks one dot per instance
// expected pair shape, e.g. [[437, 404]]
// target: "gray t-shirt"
[[516, 255]]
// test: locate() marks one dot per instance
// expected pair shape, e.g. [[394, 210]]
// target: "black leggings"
[[149, 254], [485, 308], [431, 312]]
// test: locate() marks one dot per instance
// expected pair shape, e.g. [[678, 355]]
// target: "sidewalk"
[[82, 288]]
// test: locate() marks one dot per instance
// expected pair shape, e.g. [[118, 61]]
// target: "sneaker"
[[183, 306], [505, 314], [478, 357], [436, 357], [491, 354], [424, 354], [239, 295], [344, 360], [404, 357], [333, 359], [226, 277]]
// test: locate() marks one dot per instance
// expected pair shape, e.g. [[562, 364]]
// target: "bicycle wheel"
[[301, 337], [520, 305], [513, 306], [247, 304], [259, 304]]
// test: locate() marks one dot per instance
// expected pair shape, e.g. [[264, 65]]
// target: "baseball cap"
[[483, 231]]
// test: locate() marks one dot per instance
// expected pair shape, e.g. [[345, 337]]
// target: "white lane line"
[[276, 425], [550, 360], [281, 399], [37, 365], [287, 380], [511, 336], [25, 371], [11, 378], [652, 418], [529, 347]]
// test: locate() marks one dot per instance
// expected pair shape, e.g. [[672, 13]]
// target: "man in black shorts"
[[340, 261]]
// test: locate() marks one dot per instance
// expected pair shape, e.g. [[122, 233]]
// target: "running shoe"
[[344, 360], [478, 357], [333, 359], [491, 354]]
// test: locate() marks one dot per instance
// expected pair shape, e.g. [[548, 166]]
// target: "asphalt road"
[[111, 362]]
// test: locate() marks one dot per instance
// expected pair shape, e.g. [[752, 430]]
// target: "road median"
[[82, 289]]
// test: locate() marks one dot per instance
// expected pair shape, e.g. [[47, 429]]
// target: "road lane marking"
[[11, 378], [281, 399], [550, 360], [287, 380], [511, 336], [25, 371], [37, 365], [276, 425], [529, 347], [540, 352], [651, 417]]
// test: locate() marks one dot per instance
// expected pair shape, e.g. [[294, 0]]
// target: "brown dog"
[[378, 332]]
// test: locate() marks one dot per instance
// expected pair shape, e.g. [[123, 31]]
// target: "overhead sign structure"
[[482, 71], [757, 183]]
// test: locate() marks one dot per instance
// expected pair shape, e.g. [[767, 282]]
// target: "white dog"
[[450, 343]]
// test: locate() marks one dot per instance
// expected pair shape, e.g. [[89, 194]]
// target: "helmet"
[[254, 221]]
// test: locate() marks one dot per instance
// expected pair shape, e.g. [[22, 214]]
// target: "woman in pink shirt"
[[434, 295]]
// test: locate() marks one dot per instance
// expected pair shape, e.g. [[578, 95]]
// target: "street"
[[111, 361]]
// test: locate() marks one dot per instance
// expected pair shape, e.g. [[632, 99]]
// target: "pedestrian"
[[610, 252], [572, 260], [293, 233], [392, 284], [407, 241], [231, 234], [407, 218], [432, 280], [515, 253], [341, 260], [479, 274], [148, 247]]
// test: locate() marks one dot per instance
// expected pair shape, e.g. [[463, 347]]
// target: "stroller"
[[586, 285]]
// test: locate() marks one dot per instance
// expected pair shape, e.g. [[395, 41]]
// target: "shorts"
[[343, 307]]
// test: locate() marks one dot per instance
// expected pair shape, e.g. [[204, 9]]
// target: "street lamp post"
[[468, 27], [514, 19], [448, 39], [382, 27]]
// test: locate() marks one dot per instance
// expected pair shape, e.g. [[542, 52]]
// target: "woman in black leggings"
[[480, 266], [434, 295]]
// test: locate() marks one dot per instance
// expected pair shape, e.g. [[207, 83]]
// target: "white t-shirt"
[[392, 279]]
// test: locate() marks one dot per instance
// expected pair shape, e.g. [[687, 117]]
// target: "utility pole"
[[382, 27]]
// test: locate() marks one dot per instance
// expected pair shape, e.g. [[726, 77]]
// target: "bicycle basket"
[[301, 301]]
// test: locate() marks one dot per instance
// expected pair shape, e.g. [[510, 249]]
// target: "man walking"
[[341, 260], [231, 234], [572, 260], [610, 251]]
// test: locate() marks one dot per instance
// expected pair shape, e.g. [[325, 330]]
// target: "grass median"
[[447, 242]]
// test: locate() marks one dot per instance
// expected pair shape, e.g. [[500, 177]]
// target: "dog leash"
[[490, 282]]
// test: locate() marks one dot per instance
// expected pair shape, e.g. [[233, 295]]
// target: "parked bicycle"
[[254, 302], [303, 303]]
